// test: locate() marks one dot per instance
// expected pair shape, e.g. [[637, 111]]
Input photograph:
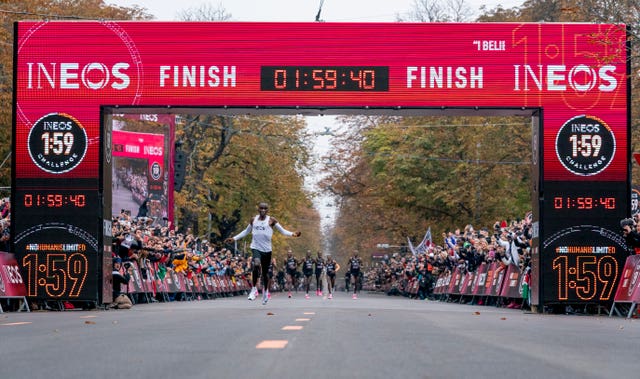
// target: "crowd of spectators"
[[508, 243], [137, 183], [145, 241], [138, 239], [5, 223], [154, 202]]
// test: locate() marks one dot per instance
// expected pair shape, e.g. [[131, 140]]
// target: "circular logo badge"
[[585, 145], [156, 171], [57, 143]]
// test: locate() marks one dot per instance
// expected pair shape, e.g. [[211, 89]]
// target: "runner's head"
[[263, 208]]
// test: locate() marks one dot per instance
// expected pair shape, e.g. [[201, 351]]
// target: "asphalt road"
[[373, 337]]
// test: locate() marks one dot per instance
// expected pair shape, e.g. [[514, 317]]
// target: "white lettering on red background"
[[69, 75], [197, 76], [445, 77], [580, 78], [146, 150]]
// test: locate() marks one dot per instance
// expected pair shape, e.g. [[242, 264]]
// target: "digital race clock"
[[58, 242], [583, 241], [55, 199], [324, 78], [584, 202], [580, 200]]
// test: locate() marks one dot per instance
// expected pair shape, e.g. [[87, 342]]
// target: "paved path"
[[373, 337]]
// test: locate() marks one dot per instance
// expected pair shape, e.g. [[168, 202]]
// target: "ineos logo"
[[580, 78], [13, 274], [67, 75]]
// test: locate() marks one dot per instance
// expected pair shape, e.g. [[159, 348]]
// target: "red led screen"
[[571, 70]]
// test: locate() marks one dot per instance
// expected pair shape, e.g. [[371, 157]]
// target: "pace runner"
[[261, 229], [291, 265], [319, 264], [307, 271], [332, 268], [355, 263]]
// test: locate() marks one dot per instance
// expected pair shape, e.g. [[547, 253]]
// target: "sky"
[[298, 10]]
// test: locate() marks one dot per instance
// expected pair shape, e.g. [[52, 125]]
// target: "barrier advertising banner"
[[511, 285], [495, 287], [629, 284], [479, 280], [11, 283], [454, 284]]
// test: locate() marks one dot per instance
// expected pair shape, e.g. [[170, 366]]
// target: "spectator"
[[631, 233], [5, 224], [143, 210], [121, 277]]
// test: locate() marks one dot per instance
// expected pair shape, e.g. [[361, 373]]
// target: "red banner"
[[512, 282], [498, 278], [160, 282], [135, 283], [73, 68], [485, 287], [208, 284], [629, 286], [149, 278], [479, 280], [175, 282], [454, 284], [467, 286], [138, 145], [217, 286], [11, 283]]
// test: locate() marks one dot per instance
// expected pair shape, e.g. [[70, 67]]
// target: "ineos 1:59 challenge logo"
[[57, 143], [155, 170], [585, 145]]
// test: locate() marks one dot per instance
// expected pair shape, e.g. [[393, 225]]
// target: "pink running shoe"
[[306, 296], [268, 295], [354, 297], [330, 296], [320, 293]]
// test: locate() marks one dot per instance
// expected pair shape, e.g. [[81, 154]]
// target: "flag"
[[426, 242], [413, 250]]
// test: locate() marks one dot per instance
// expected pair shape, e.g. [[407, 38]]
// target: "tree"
[[205, 12], [437, 11], [407, 174], [237, 161], [234, 162]]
